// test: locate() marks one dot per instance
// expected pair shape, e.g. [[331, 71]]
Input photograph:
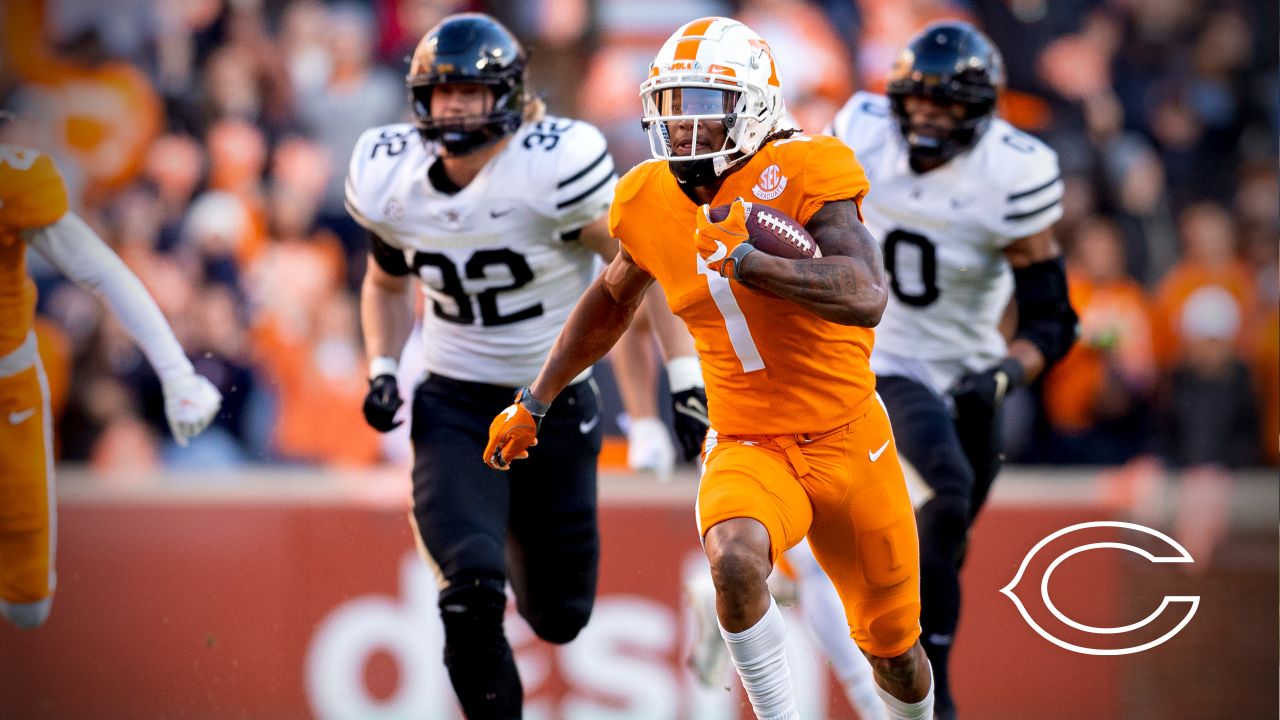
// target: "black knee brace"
[[476, 652]]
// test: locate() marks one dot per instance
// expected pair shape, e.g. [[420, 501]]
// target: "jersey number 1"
[[744, 346]]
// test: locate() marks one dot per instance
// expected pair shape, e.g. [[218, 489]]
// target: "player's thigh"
[[26, 488], [866, 540], [555, 541], [460, 505], [925, 434], [742, 480]]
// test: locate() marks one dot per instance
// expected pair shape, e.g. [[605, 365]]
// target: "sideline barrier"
[[296, 594]]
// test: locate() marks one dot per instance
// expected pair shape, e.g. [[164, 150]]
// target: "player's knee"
[[944, 525], [892, 626], [472, 614], [738, 560], [900, 669], [560, 625], [27, 616]]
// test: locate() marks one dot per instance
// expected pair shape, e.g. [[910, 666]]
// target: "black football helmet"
[[468, 48], [950, 62]]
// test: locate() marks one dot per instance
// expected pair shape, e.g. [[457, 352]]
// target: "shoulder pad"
[[377, 147], [863, 121], [32, 192], [573, 159], [1024, 179]]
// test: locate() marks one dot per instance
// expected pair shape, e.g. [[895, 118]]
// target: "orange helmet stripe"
[[688, 49]]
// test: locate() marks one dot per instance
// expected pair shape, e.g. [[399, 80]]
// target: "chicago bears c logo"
[[1054, 624], [771, 183]]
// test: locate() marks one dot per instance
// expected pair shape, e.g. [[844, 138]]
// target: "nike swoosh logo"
[[495, 214], [510, 412], [876, 455], [695, 410], [587, 426], [17, 418], [719, 254]]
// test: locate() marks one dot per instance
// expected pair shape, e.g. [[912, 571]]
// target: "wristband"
[[536, 407], [383, 365], [736, 257], [684, 373]]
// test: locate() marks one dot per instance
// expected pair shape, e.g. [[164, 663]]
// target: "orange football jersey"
[[771, 367], [32, 195]]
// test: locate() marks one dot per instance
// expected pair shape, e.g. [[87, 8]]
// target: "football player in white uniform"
[[501, 214], [964, 205]]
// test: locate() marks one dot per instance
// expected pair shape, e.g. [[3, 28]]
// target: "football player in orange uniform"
[[799, 444], [33, 213]]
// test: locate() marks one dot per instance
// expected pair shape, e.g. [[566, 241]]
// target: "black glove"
[[983, 392], [382, 402], [691, 420]]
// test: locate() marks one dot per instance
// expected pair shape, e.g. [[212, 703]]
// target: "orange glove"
[[716, 240], [514, 431]]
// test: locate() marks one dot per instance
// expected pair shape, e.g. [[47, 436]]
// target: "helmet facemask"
[[465, 134], [962, 134]]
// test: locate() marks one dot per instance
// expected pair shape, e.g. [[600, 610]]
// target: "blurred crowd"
[[207, 141]]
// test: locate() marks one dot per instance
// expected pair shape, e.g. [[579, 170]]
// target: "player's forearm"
[[594, 326], [71, 246], [839, 289], [386, 316]]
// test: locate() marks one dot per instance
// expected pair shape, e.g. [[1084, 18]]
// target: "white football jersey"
[[943, 234], [499, 260]]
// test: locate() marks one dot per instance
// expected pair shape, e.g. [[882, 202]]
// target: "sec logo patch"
[[771, 183]]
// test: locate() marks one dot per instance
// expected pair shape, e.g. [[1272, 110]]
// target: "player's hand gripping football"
[[191, 402], [514, 430], [723, 244]]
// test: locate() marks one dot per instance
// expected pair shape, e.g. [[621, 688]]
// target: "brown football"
[[774, 232]]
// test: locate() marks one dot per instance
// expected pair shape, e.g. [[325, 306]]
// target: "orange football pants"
[[26, 483], [844, 490]]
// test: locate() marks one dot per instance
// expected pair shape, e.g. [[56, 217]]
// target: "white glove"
[[649, 447], [191, 402]]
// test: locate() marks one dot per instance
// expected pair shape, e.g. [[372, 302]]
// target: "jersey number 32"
[[450, 283]]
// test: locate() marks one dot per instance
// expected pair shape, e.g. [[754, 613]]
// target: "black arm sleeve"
[[390, 259], [1045, 316]]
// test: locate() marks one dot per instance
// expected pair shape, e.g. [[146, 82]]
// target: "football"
[[773, 232]]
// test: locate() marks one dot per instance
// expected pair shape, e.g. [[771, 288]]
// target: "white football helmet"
[[712, 70]]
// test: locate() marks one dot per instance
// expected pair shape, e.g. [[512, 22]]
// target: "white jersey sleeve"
[[367, 188], [77, 252], [584, 177], [1026, 196]]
